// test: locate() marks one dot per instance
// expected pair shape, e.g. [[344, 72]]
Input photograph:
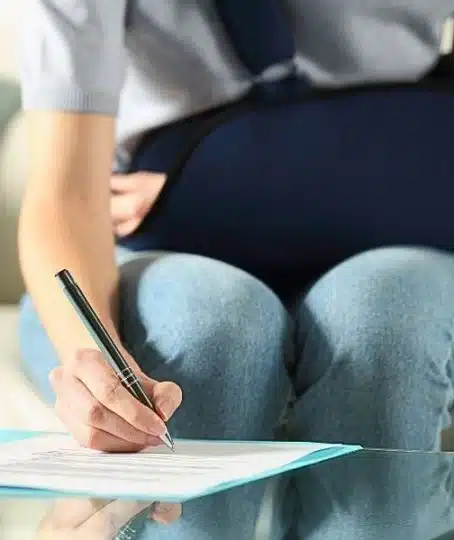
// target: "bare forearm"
[[65, 223], [63, 236]]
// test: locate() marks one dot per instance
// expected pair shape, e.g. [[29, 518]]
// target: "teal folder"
[[311, 459], [7, 435]]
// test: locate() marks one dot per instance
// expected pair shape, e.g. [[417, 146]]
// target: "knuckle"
[[95, 414], [93, 439], [134, 417], [110, 391]]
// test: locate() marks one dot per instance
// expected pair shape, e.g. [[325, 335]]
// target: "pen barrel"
[[138, 392], [108, 347], [92, 323], [132, 384]]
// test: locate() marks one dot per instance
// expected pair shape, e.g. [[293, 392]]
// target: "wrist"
[[79, 338]]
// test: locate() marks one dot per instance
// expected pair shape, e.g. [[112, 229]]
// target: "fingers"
[[166, 397], [102, 519], [67, 514], [128, 207], [92, 370], [139, 181], [97, 439], [126, 228], [113, 518], [165, 513], [128, 211], [92, 424], [102, 414], [132, 197], [121, 183]]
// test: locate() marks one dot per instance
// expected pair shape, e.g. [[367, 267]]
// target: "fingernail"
[[165, 409], [158, 429]]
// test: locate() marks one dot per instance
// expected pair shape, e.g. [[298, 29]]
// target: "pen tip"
[[169, 442]]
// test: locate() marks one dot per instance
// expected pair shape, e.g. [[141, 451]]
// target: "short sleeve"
[[73, 55]]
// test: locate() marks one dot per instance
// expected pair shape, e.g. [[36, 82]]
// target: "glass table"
[[386, 495]]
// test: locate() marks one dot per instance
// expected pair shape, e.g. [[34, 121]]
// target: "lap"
[[334, 197], [390, 294], [408, 287], [176, 301], [382, 283], [370, 281], [171, 303], [374, 356]]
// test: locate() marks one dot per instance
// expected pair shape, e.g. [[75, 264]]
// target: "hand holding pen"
[[108, 405]]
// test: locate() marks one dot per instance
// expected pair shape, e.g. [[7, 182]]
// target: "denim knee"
[[377, 334], [214, 329], [183, 302], [393, 305]]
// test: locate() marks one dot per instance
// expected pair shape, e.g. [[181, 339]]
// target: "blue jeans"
[[366, 352]]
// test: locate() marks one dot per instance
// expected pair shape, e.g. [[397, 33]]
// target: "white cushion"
[[12, 155], [13, 163], [11, 15], [20, 405]]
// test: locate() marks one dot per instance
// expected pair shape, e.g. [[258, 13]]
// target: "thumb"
[[166, 396]]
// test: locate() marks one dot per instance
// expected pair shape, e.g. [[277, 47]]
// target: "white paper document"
[[57, 463]]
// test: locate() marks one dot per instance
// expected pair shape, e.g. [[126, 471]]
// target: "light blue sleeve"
[[73, 55]]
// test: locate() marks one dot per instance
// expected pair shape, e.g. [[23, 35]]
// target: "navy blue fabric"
[[258, 30], [261, 37], [287, 192], [162, 148]]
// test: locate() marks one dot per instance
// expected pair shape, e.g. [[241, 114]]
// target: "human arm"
[[132, 197], [73, 66], [65, 220]]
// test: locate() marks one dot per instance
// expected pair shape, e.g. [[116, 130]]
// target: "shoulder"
[[72, 54]]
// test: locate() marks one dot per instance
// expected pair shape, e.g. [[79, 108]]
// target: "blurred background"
[[12, 148], [20, 407]]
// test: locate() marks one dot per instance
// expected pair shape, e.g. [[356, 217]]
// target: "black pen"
[[107, 345]]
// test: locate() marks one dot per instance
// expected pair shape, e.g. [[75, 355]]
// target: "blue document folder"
[[27, 489]]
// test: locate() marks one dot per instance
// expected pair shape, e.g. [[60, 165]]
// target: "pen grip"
[[102, 338], [135, 388]]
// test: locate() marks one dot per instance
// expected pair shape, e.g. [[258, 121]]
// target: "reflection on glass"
[[92, 519], [367, 496], [370, 496]]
